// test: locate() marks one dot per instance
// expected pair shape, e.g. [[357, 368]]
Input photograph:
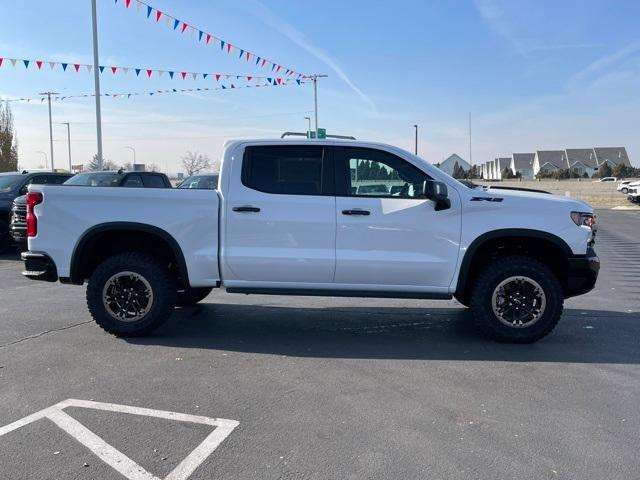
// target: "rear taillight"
[[33, 199]]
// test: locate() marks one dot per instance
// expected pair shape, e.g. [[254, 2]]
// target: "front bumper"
[[582, 273], [39, 266]]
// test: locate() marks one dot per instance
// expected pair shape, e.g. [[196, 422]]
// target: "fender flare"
[[92, 232], [503, 233]]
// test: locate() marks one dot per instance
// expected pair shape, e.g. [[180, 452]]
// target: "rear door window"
[[288, 170], [153, 181], [133, 181]]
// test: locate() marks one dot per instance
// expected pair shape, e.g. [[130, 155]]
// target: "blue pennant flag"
[[258, 60], [176, 22], [200, 35], [171, 74], [241, 53], [137, 72], [298, 82], [101, 69], [273, 66], [221, 44], [128, 95], [149, 10], [65, 65], [269, 80], [26, 63], [174, 90], [205, 75], [223, 87]]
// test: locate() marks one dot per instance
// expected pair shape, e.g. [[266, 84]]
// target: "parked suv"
[[15, 184]]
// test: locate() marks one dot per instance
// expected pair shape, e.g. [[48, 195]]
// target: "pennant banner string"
[[145, 72], [209, 39], [272, 83]]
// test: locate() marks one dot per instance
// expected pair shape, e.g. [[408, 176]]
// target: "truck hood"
[[529, 199]]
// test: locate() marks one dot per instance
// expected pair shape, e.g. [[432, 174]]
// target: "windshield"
[[201, 182], [9, 182], [95, 179]]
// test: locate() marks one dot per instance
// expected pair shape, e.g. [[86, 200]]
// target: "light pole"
[[96, 79], [46, 160], [315, 96], [134, 155], [68, 142], [416, 146], [309, 120], [48, 94]]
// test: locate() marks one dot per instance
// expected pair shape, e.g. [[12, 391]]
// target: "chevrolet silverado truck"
[[290, 218]]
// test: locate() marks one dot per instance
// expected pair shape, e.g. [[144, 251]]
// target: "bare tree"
[[106, 164], [152, 167], [194, 162], [8, 141]]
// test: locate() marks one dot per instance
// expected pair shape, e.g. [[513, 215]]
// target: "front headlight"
[[583, 218]]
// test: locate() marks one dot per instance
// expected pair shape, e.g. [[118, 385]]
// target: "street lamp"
[[134, 155], [308, 119], [416, 147], [48, 94], [68, 143], [46, 160]]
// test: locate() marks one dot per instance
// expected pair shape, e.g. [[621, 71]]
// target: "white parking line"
[[118, 460]]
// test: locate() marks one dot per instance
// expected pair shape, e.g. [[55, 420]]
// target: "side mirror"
[[438, 192]]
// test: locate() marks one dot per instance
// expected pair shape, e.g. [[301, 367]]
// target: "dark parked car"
[[120, 179], [15, 184], [18, 227], [201, 182]]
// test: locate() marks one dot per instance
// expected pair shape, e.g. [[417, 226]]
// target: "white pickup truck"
[[316, 217]]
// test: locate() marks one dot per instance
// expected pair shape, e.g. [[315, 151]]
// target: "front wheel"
[[191, 296], [131, 294], [517, 299], [625, 190]]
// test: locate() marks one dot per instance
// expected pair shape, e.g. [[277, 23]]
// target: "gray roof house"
[[612, 155], [581, 160], [487, 170], [549, 160], [523, 163], [500, 164], [448, 164]]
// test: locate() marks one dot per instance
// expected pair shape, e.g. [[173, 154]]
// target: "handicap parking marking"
[[116, 459]]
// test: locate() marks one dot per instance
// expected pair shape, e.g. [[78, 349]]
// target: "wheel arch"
[[84, 261], [550, 248]]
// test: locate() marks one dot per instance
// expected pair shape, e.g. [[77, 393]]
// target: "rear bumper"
[[39, 266], [582, 273]]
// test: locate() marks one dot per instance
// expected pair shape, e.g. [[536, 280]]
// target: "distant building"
[[581, 161], [612, 155], [500, 163], [448, 164], [549, 161], [522, 163]]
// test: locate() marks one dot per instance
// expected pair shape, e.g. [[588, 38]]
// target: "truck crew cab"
[[289, 218]]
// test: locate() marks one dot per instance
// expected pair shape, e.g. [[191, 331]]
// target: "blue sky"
[[534, 74]]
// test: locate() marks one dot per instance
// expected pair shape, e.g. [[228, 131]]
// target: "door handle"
[[356, 212], [246, 209]]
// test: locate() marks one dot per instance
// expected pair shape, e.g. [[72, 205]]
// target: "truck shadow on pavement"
[[582, 336]]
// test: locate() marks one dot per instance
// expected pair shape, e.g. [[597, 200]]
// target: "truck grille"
[[19, 214]]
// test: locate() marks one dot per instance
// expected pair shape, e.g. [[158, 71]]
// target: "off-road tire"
[[154, 272], [191, 296], [500, 270]]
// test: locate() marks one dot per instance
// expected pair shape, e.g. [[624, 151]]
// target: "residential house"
[[611, 155], [523, 163], [549, 161], [499, 164], [581, 161], [448, 164]]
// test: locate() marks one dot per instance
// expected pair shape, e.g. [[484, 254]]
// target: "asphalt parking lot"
[[325, 388]]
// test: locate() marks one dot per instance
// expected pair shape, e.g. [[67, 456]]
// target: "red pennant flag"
[[158, 15], [127, 3], [278, 69], [184, 75], [248, 56], [39, 64], [208, 39], [76, 67], [263, 62], [1, 60], [149, 72], [217, 75], [184, 27], [249, 77], [114, 70], [229, 47]]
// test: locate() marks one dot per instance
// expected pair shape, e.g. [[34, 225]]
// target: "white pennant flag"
[[89, 68], [13, 62], [52, 64], [194, 75], [138, 6], [168, 20], [193, 30], [160, 73], [125, 70]]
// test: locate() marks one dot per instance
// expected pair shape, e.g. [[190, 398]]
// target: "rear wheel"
[[191, 296], [517, 299], [131, 294]]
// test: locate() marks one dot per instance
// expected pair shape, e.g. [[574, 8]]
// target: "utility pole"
[[96, 78], [68, 143], [48, 94], [416, 148], [315, 78], [470, 157], [134, 155]]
